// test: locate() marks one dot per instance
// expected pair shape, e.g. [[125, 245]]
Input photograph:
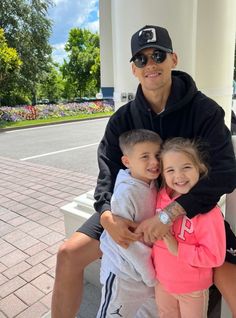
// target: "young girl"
[[185, 257]]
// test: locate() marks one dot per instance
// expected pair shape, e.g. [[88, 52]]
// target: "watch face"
[[164, 217]]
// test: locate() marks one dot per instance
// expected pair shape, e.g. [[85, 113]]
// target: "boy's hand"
[[152, 229], [121, 230], [171, 243]]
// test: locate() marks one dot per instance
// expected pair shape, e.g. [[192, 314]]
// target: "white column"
[[215, 44], [106, 51]]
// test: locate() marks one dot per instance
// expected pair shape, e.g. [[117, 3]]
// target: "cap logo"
[[147, 36]]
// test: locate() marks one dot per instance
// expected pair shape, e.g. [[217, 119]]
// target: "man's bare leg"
[[73, 256], [225, 281]]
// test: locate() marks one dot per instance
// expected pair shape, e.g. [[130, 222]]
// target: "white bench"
[[75, 214]]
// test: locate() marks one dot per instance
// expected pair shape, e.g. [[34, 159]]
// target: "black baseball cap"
[[151, 36]]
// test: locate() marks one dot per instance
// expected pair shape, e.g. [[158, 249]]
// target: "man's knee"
[[68, 252], [78, 251]]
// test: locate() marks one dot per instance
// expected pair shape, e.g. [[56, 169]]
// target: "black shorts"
[[93, 229], [230, 244]]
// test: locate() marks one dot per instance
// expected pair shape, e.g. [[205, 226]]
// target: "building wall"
[[202, 33]]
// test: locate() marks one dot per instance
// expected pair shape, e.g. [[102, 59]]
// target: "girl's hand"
[[152, 229], [171, 243]]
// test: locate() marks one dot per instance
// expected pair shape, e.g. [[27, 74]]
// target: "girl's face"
[[179, 172]]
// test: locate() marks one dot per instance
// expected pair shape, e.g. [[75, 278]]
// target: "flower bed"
[[28, 112]]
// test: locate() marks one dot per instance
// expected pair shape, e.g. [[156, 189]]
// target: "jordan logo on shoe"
[[117, 312]]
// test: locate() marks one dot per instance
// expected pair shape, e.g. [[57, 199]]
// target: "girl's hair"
[[132, 137], [191, 148]]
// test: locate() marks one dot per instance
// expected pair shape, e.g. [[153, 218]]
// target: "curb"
[[49, 124]]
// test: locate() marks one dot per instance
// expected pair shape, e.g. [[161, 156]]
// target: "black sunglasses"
[[140, 60]]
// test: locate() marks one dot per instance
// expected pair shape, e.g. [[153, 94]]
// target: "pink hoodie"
[[201, 246]]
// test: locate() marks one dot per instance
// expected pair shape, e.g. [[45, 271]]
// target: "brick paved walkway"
[[31, 229]]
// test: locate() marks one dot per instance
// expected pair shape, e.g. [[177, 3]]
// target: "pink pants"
[[191, 305]]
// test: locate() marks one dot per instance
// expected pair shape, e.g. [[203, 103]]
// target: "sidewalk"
[[31, 230]]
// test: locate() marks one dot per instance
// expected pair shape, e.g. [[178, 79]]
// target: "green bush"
[[14, 100]]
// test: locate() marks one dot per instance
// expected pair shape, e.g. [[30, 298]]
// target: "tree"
[[10, 64], [52, 85], [82, 70], [27, 29]]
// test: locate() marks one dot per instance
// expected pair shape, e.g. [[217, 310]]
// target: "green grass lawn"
[[35, 122]]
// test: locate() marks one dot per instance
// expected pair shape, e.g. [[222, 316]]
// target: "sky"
[[68, 14]]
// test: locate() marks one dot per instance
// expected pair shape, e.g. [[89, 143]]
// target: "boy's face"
[[179, 172], [143, 161]]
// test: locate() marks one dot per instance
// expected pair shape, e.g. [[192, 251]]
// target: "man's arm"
[[153, 229], [221, 179], [109, 163], [211, 130]]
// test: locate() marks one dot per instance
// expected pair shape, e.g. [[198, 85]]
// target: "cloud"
[[56, 2], [67, 14], [58, 53], [93, 26]]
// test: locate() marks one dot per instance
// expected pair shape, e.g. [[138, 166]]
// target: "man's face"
[[143, 161], [154, 76]]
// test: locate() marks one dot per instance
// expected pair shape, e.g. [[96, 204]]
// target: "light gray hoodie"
[[135, 200]]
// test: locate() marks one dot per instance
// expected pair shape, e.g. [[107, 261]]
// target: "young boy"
[[128, 275]]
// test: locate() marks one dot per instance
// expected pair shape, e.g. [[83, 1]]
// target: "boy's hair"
[[132, 137], [191, 148]]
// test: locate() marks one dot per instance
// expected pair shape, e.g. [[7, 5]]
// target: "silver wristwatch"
[[164, 217]]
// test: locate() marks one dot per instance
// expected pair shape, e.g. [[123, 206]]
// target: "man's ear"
[[174, 59], [133, 69], [125, 161]]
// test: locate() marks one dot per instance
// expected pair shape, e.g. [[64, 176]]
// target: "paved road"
[[70, 146], [31, 221]]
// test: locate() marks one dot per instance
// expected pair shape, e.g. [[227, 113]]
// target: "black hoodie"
[[188, 113]]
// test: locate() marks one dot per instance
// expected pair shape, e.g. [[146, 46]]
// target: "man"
[[169, 103]]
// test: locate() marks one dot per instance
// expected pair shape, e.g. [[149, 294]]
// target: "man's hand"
[[121, 230], [171, 243], [152, 229]]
